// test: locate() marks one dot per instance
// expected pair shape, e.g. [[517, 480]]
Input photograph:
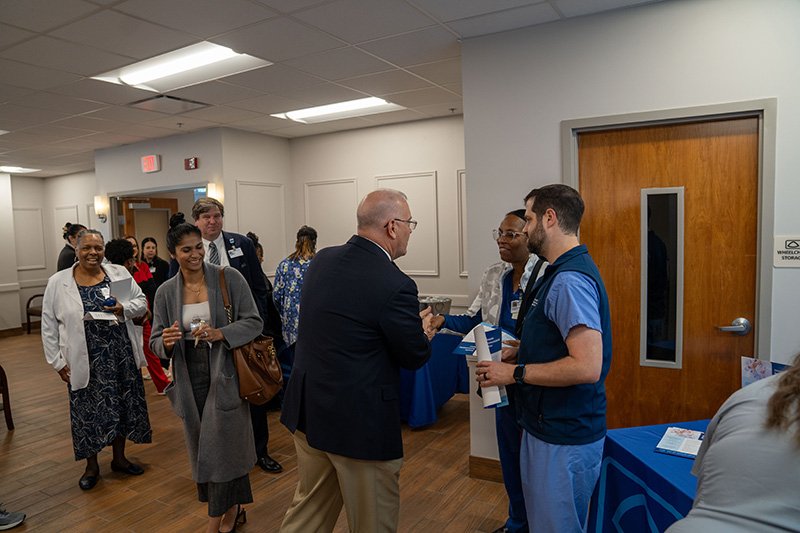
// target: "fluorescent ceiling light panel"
[[18, 170], [340, 110], [3, 132], [187, 66]]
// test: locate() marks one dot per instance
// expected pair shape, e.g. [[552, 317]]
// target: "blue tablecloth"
[[424, 391], [641, 490]]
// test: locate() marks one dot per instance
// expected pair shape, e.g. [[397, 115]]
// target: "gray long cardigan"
[[221, 446]]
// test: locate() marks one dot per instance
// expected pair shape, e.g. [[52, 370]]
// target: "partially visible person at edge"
[[563, 359], [289, 281], [121, 252], [67, 257], [191, 326], [360, 324], [748, 466], [498, 302], [286, 353], [99, 359], [159, 268], [225, 248]]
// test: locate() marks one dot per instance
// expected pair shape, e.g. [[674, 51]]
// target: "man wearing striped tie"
[[237, 251]]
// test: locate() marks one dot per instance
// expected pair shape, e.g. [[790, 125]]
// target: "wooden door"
[[129, 213], [717, 163]]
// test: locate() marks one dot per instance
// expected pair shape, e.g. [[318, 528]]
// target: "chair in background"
[[6, 405], [32, 310]]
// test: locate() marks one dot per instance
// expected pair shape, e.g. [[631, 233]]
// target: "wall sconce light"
[[215, 191], [101, 208]]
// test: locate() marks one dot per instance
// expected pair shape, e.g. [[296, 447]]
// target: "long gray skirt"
[[220, 496]]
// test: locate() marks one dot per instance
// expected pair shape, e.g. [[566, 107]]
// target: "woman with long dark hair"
[[159, 268], [289, 281]]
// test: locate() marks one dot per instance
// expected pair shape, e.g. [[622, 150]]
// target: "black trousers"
[[258, 416]]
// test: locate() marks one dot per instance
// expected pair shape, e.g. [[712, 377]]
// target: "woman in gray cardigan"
[[190, 326]]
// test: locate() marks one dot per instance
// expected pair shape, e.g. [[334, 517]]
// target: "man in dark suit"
[[235, 250], [359, 324]]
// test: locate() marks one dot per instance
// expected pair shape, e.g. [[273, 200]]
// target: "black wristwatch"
[[519, 374]]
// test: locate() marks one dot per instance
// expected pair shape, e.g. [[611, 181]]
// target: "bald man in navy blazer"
[[359, 325]]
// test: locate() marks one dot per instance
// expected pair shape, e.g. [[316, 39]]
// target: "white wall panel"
[[462, 224], [261, 209], [331, 210], [29, 227], [422, 258]]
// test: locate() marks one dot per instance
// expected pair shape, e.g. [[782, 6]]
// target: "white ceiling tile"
[[455, 87], [505, 20], [303, 130], [263, 123], [215, 92], [440, 72], [277, 40], [394, 117], [221, 114], [29, 76], [386, 82], [10, 35], [88, 123], [269, 104], [80, 144], [577, 8], [124, 114], [326, 94], [182, 124], [287, 6], [446, 10], [356, 22], [422, 97], [124, 35], [27, 115], [41, 15], [423, 46], [58, 102], [106, 139], [339, 64], [9, 92], [102, 91], [61, 55], [204, 18], [142, 130], [274, 79], [444, 109], [52, 133]]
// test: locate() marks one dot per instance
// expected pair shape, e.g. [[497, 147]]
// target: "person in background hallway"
[[67, 258], [563, 359], [121, 252], [157, 266], [99, 359], [748, 466], [191, 326], [498, 302], [289, 281], [232, 249], [360, 323]]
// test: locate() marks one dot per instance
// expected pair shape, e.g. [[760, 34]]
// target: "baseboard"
[[486, 469], [13, 332]]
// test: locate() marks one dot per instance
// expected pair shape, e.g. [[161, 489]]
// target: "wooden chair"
[[6, 405], [32, 310]]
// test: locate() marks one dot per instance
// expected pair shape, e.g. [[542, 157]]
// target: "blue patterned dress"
[[288, 285], [113, 403]]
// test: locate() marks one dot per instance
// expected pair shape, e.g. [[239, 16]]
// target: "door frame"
[[766, 110]]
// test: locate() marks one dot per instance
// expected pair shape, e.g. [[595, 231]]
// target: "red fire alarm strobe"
[[151, 163], [191, 164]]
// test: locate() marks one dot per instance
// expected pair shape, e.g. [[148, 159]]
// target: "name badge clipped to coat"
[[515, 306], [235, 252]]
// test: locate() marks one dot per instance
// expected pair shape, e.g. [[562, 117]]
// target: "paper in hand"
[[494, 396]]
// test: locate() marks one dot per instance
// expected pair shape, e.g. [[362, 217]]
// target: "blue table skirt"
[[424, 391], [641, 490]]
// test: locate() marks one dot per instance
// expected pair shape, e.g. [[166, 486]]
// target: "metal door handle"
[[740, 326]]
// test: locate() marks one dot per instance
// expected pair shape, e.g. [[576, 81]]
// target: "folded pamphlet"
[[681, 442]]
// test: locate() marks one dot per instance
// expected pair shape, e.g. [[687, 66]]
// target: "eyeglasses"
[[412, 224], [509, 235]]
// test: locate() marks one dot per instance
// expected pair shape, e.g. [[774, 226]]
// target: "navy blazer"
[[248, 266], [359, 324]]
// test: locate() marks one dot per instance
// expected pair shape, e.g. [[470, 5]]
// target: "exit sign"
[[190, 163], [151, 163]]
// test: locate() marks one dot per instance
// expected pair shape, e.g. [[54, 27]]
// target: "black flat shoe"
[[268, 464], [87, 482], [131, 469]]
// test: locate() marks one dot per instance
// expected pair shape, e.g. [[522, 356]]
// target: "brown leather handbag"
[[257, 366]]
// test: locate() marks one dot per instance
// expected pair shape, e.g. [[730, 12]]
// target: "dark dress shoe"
[[87, 482], [268, 464], [131, 469]]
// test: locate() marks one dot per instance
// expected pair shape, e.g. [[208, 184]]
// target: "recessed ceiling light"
[[18, 170], [187, 66], [340, 110], [3, 132]]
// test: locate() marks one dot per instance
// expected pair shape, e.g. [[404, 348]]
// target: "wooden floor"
[[39, 476]]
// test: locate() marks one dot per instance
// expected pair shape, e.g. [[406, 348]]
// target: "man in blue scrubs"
[[563, 359]]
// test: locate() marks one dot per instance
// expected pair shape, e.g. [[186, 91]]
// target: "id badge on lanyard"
[[515, 305]]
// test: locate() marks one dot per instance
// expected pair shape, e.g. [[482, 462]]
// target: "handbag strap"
[[226, 300]]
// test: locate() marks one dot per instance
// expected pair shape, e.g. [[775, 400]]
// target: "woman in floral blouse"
[[289, 281]]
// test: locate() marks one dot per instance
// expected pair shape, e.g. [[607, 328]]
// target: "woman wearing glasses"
[[498, 302]]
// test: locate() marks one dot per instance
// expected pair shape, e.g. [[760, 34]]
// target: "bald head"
[[379, 207], [383, 217]]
